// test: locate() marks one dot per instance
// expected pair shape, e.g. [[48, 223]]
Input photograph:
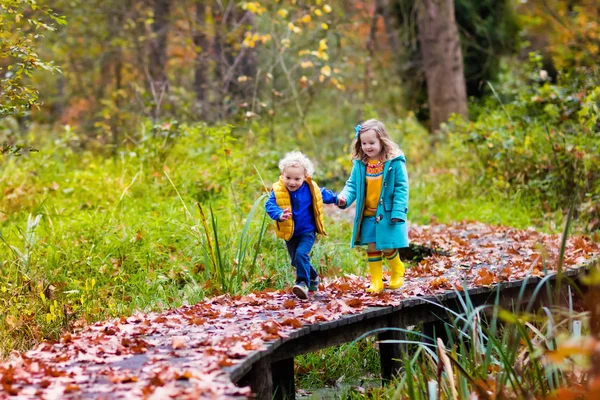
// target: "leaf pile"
[[182, 353]]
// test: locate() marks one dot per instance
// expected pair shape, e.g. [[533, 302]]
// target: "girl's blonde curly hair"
[[389, 149]]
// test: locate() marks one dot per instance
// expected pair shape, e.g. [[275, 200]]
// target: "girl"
[[379, 184]]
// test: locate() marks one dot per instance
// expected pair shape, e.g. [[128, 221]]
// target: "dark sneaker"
[[300, 290], [314, 285]]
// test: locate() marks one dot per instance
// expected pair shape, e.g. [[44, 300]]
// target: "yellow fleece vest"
[[285, 229]]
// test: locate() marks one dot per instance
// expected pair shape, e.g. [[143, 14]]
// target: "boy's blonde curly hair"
[[389, 149], [297, 159]]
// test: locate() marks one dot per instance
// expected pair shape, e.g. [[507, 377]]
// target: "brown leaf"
[[575, 392], [484, 277], [354, 302], [13, 391], [72, 388], [344, 287], [513, 251], [271, 329], [293, 322], [178, 342], [110, 330], [186, 375], [439, 282], [123, 378], [290, 303]]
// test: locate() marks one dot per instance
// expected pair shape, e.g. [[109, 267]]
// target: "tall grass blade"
[[245, 237], [561, 255], [211, 250], [445, 359], [220, 267], [261, 234]]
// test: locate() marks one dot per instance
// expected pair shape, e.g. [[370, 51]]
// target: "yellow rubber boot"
[[376, 270], [397, 269]]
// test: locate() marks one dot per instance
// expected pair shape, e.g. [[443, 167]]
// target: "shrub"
[[543, 142]]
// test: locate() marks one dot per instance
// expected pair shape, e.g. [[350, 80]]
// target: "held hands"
[[285, 215], [341, 201]]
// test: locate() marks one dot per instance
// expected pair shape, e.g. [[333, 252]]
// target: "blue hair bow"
[[356, 131]]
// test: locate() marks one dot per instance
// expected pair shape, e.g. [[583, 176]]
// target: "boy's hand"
[[285, 215], [341, 201]]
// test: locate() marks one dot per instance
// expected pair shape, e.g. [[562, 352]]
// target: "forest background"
[[139, 137]]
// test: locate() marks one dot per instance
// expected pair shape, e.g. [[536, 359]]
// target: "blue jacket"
[[393, 203], [302, 208]]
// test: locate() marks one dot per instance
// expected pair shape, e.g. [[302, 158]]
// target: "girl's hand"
[[341, 201], [285, 215]]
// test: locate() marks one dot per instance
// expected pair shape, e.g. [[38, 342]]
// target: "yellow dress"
[[373, 178]]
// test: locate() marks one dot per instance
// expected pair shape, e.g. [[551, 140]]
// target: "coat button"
[[384, 184], [380, 201]]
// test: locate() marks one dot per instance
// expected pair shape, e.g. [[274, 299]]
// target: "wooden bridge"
[[270, 372], [244, 346]]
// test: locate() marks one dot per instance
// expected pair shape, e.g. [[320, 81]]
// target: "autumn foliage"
[[135, 355]]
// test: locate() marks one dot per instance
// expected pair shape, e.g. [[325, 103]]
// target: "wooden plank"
[[434, 330], [318, 340], [390, 354], [283, 379], [260, 379]]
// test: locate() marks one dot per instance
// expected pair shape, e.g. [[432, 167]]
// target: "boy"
[[296, 206]]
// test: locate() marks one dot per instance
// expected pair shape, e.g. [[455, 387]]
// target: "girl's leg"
[[396, 268], [375, 269]]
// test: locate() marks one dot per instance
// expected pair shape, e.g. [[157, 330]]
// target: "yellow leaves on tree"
[[572, 30], [251, 39], [254, 7]]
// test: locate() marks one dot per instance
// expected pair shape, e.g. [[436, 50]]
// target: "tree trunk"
[[201, 68], [371, 45], [232, 63], [391, 30], [442, 60], [158, 44]]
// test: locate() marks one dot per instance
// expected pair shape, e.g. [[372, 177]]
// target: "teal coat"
[[393, 203]]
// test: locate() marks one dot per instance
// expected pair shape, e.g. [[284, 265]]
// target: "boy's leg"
[[291, 248], [300, 288], [313, 285], [302, 257]]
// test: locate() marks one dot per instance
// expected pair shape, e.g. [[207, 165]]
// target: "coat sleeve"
[[329, 197], [400, 206], [349, 191], [272, 208]]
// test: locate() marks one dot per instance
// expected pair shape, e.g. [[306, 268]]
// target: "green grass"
[[84, 237], [437, 200], [356, 362], [106, 237]]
